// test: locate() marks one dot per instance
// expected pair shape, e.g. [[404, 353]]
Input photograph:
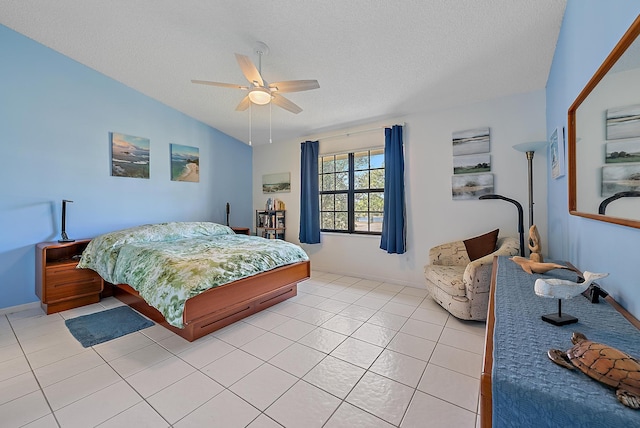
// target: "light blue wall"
[[590, 30], [55, 119]]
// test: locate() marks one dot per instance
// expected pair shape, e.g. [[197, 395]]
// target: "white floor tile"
[[314, 316], [263, 386], [357, 352], [370, 302], [23, 410], [297, 359], [289, 309], [177, 344], [54, 325], [342, 324], [399, 309], [438, 317], [303, 405], [63, 369], [239, 333], [461, 339], [385, 319], [224, 410], [454, 387], [206, 352], [323, 340], [266, 320], [122, 346], [293, 329], [349, 416], [412, 345], [415, 291], [48, 421], [17, 386], [139, 360], [98, 407], [63, 349], [335, 376], [13, 367], [157, 332], [308, 299], [72, 389], [141, 415], [159, 376], [458, 360], [440, 414], [267, 346], [333, 306], [348, 296], [183, 397], [264, 421], [232, 367], [399, 367], [474, 327], [382, 397], [374, 334], [424, 330], [408, 299], [358, 312]]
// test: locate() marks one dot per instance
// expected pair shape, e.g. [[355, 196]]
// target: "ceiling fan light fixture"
[[260, 96]]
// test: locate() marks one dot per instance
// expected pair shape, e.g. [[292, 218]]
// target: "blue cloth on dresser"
[[528, 389]]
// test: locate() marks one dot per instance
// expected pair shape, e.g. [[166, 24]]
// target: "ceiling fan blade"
[[286, 104], [294, 85], [249, 70], [224, 85], [244, 104]]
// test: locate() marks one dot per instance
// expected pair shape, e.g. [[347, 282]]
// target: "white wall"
[[432, 216]]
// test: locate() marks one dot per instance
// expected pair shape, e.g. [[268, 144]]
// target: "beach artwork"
[[623, 152], [556, 148], [471, 186], [129, 156], [623, 122], [472, 164], [620, 178], [185, 163], [471, 141], [274, 183]]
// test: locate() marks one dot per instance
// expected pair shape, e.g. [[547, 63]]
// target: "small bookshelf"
[[271, 224]]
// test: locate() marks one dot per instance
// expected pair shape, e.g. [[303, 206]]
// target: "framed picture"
[[129, 156], [185, 163], [623, 152], [471, 141], [623, 122], [556, 148], [472, 164], [471, 186], [620, 178], [276, 183]]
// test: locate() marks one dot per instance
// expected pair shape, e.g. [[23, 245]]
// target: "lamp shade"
[[530, 147], [260, 96]]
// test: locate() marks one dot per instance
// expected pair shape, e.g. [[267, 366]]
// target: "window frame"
[[351, 190]]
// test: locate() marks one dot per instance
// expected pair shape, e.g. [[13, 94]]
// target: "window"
[[352, 192]]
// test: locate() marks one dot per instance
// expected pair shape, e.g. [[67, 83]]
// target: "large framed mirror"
[[604, 138]]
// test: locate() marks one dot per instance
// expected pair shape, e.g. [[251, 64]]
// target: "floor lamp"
[[529, 149]]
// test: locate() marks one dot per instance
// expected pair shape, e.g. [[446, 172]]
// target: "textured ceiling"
[[373, 58]]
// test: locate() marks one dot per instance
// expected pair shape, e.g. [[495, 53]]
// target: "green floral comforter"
[[171, 262]]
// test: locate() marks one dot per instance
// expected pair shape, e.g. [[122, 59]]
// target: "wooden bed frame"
[[225, 304]]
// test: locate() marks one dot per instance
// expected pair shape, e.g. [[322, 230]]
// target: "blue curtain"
[[309, 194], [393, 224]]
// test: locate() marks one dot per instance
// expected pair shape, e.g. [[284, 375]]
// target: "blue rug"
[[103, 326]]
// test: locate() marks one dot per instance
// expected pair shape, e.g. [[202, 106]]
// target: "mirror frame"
[[627, 39]]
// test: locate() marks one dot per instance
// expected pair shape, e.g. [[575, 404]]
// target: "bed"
[[196, 277]]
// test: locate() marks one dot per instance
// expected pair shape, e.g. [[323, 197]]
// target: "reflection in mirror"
[[604, 139]]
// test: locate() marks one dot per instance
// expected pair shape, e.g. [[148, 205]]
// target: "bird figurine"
[[565, 289]]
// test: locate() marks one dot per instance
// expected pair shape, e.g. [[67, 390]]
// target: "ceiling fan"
[[260, 91]]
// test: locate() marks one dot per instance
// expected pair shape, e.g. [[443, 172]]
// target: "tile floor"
[[345, 352]]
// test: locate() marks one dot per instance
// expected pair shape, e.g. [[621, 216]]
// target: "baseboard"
[[18, 308]]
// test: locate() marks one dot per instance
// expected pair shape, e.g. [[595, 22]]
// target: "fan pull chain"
[[270, 123], [250, 124]]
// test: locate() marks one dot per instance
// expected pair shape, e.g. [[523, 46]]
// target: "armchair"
[[460, 285]]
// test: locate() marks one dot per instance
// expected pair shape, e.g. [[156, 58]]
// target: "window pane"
[[342, 181], [361, 160], [377, 158], [327, 182], [341, 202], [375, 222], [361, 180], [327, 220], [328, 164], [376, 201], [342, 163], [327, 203], [341, 221], [361, 202], [377, 179]]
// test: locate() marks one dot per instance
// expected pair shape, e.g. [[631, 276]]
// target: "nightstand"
[[241, 230], [59, 285]]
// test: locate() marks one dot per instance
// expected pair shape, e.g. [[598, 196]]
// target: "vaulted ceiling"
[[373, 58]]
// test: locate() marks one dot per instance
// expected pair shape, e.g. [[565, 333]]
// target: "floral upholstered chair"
[[459, 273]]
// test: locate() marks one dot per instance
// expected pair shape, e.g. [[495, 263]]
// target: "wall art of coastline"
[[471, 141], [471, 186], [185, 163], [129, 156], [623, 152], [274, 183], [620, 178], [471, 164], [623, 122]]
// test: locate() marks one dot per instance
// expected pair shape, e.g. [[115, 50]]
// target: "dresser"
[[520, 386], [59, 285]]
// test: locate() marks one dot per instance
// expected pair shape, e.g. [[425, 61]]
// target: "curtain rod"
[[348, 134]]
